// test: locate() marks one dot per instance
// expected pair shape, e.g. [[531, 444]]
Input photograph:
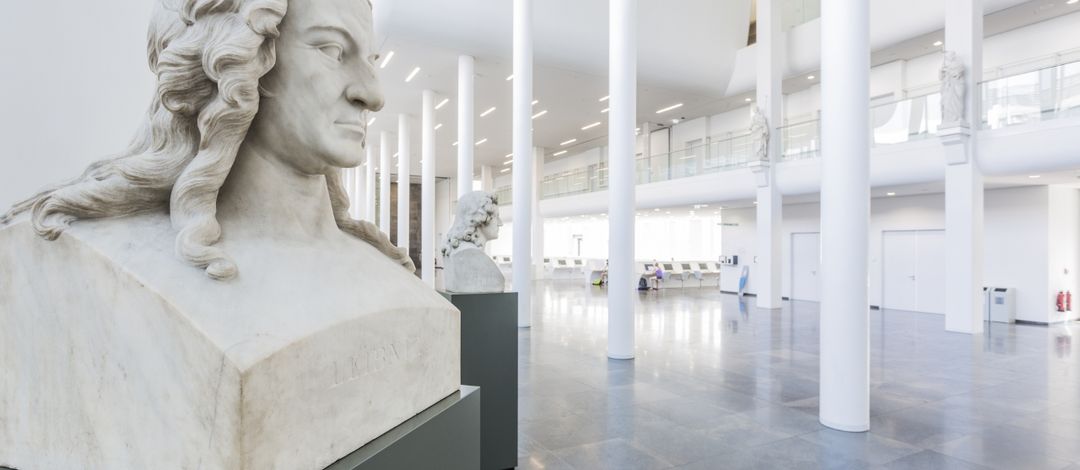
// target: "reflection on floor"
[[721, 384]]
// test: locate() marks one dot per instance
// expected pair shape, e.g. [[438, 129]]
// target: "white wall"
[[1064, 248], [1015, 239], [75, 87]]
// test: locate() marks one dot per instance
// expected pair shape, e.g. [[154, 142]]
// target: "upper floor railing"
[[1012, 96], [721, 154]]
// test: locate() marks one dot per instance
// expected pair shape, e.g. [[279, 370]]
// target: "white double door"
[[913, 270]]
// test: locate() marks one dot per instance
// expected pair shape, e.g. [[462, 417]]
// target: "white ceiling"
[[686, 53]]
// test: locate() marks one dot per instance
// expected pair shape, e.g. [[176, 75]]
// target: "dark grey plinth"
[[489, 359], [445, 436]]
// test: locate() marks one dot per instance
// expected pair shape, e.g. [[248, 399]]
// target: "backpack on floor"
[[642, 284]]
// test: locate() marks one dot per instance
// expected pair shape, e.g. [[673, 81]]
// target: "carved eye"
[[333, 51]]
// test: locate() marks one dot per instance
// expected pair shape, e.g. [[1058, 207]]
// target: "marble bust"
[[953, 90], [759, 133], [288, 334], [467, 268]]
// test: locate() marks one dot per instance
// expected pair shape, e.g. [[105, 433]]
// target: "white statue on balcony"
[[759, 134], [467, 268], [292, 336], [953, 91]]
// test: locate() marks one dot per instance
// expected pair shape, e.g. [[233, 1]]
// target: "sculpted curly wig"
[[474, 211], [208, 56]]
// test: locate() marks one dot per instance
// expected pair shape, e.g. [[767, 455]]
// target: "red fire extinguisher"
[[1061, 301], [1068, 301]]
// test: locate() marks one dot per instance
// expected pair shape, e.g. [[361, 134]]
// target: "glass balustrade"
[[1039, 95], [1011, 97], [721, 154]]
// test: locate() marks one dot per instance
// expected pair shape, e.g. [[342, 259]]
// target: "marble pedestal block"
[[489, 358], [115, 356]]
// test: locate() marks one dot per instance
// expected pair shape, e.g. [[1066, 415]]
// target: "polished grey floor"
[[720, 384]]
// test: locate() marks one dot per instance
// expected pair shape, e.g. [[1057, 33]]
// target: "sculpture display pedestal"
[[116, 357], [445, 436], [489, 357]]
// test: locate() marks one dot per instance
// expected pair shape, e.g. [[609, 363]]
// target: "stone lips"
[[115, 356]]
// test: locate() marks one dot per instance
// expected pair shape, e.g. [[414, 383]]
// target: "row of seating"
[[593, 269], [683, 271]]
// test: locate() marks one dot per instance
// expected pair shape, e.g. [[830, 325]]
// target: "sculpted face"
[[491, 229], [322, 87]]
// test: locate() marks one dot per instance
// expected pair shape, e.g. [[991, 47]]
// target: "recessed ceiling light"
[[604, 98], [438, 127], [564, 144], [535, 102], [511, 77], [669, 108], [556, 154], [386, 60], [504, 170], [890, 194], [938, 43], [675, 121], [590, 126], [442, 103], [541, 113], [1071, 2], [1035, 177], [371, 121], [396, 155], [605, 110], [749, 100], [656, 210], [509, 155], [455, 143], [489, 111], [412, 75], [481, 141], [810, 77]]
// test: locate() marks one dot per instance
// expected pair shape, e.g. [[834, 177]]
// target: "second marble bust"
[[468, 269]]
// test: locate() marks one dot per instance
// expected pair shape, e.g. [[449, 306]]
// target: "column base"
[[853, 428]]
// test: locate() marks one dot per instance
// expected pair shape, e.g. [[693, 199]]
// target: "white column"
[[427, 190], [487, 178], [538, 219], [964, 178], [523, 159], [404, 181], [770, 206], [466, 121], [622, 88], [360, 180], [369, 198], [845, 215], [384, 182]]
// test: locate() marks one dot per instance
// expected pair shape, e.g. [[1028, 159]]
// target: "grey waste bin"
[[1003, 305], [986, 302]]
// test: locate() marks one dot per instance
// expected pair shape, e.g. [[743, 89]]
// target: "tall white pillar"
[[845, 215], [622, 89], [427, 190], [404, 181], [385, 160], [349, 186], [369, 197], [487, 178], [361, 190], [466, 121], [523, 159], [538, 219], [963, 177], [770, 50]]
